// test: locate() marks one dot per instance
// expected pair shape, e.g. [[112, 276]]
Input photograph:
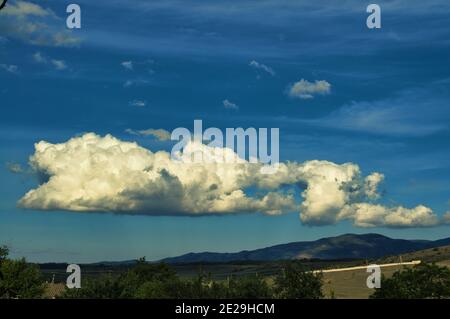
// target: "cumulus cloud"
[[304, 89], [230, 105], [256, 65], [159, 134], [34, 24], [94, 173], [369, 215]]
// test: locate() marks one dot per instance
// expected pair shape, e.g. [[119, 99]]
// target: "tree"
[[248, 287], [104, 287], [424, 281], [20, 280], [4, 252], [296, 283]]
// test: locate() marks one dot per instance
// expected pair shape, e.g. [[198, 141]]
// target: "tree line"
[[19, 279]]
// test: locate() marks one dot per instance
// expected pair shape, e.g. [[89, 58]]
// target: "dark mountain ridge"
[[347, 246]]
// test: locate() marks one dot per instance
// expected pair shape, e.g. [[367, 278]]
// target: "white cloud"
[[304, 89], [399, 115], [136, 82], [160, 134], [35, 24], [59, 64], [93, 173], [446, 218], [369, 215], [14, 168], [127, 65], [39, 58], [138, 103], [14, 69], [23, 9], [260, 66], [230, 105]]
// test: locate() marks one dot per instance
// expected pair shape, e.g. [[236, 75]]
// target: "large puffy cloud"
[[91, 173], [94, 173]]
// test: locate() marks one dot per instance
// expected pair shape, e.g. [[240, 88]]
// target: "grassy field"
[[351, 284]]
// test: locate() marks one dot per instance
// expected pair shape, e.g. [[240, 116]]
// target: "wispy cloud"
[[260, 66], [135, 82], [230, 105], [14, 69], [15, 168], [59, 65], [159, 134], [415, 112], [127, 65], [138, 103]]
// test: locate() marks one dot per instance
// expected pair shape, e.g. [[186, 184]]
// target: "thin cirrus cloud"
[[34, 24], [159, 134], [304, 89], [401, 115], [91, 173]]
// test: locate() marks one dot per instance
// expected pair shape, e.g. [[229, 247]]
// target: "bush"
[[297, 283], [424, 281], [18, 279], [249, 287]]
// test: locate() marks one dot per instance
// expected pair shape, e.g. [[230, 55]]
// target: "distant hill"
[[348, 246], [440, 255]]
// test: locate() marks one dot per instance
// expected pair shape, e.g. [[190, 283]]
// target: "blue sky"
[[387, 109]]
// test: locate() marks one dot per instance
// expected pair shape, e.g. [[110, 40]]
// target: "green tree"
[[4, 252], [294, 282], [104, 287], [248, 287], [20, 280], [423, 281]]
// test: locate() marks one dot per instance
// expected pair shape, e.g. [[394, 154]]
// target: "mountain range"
[[348, 246]]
